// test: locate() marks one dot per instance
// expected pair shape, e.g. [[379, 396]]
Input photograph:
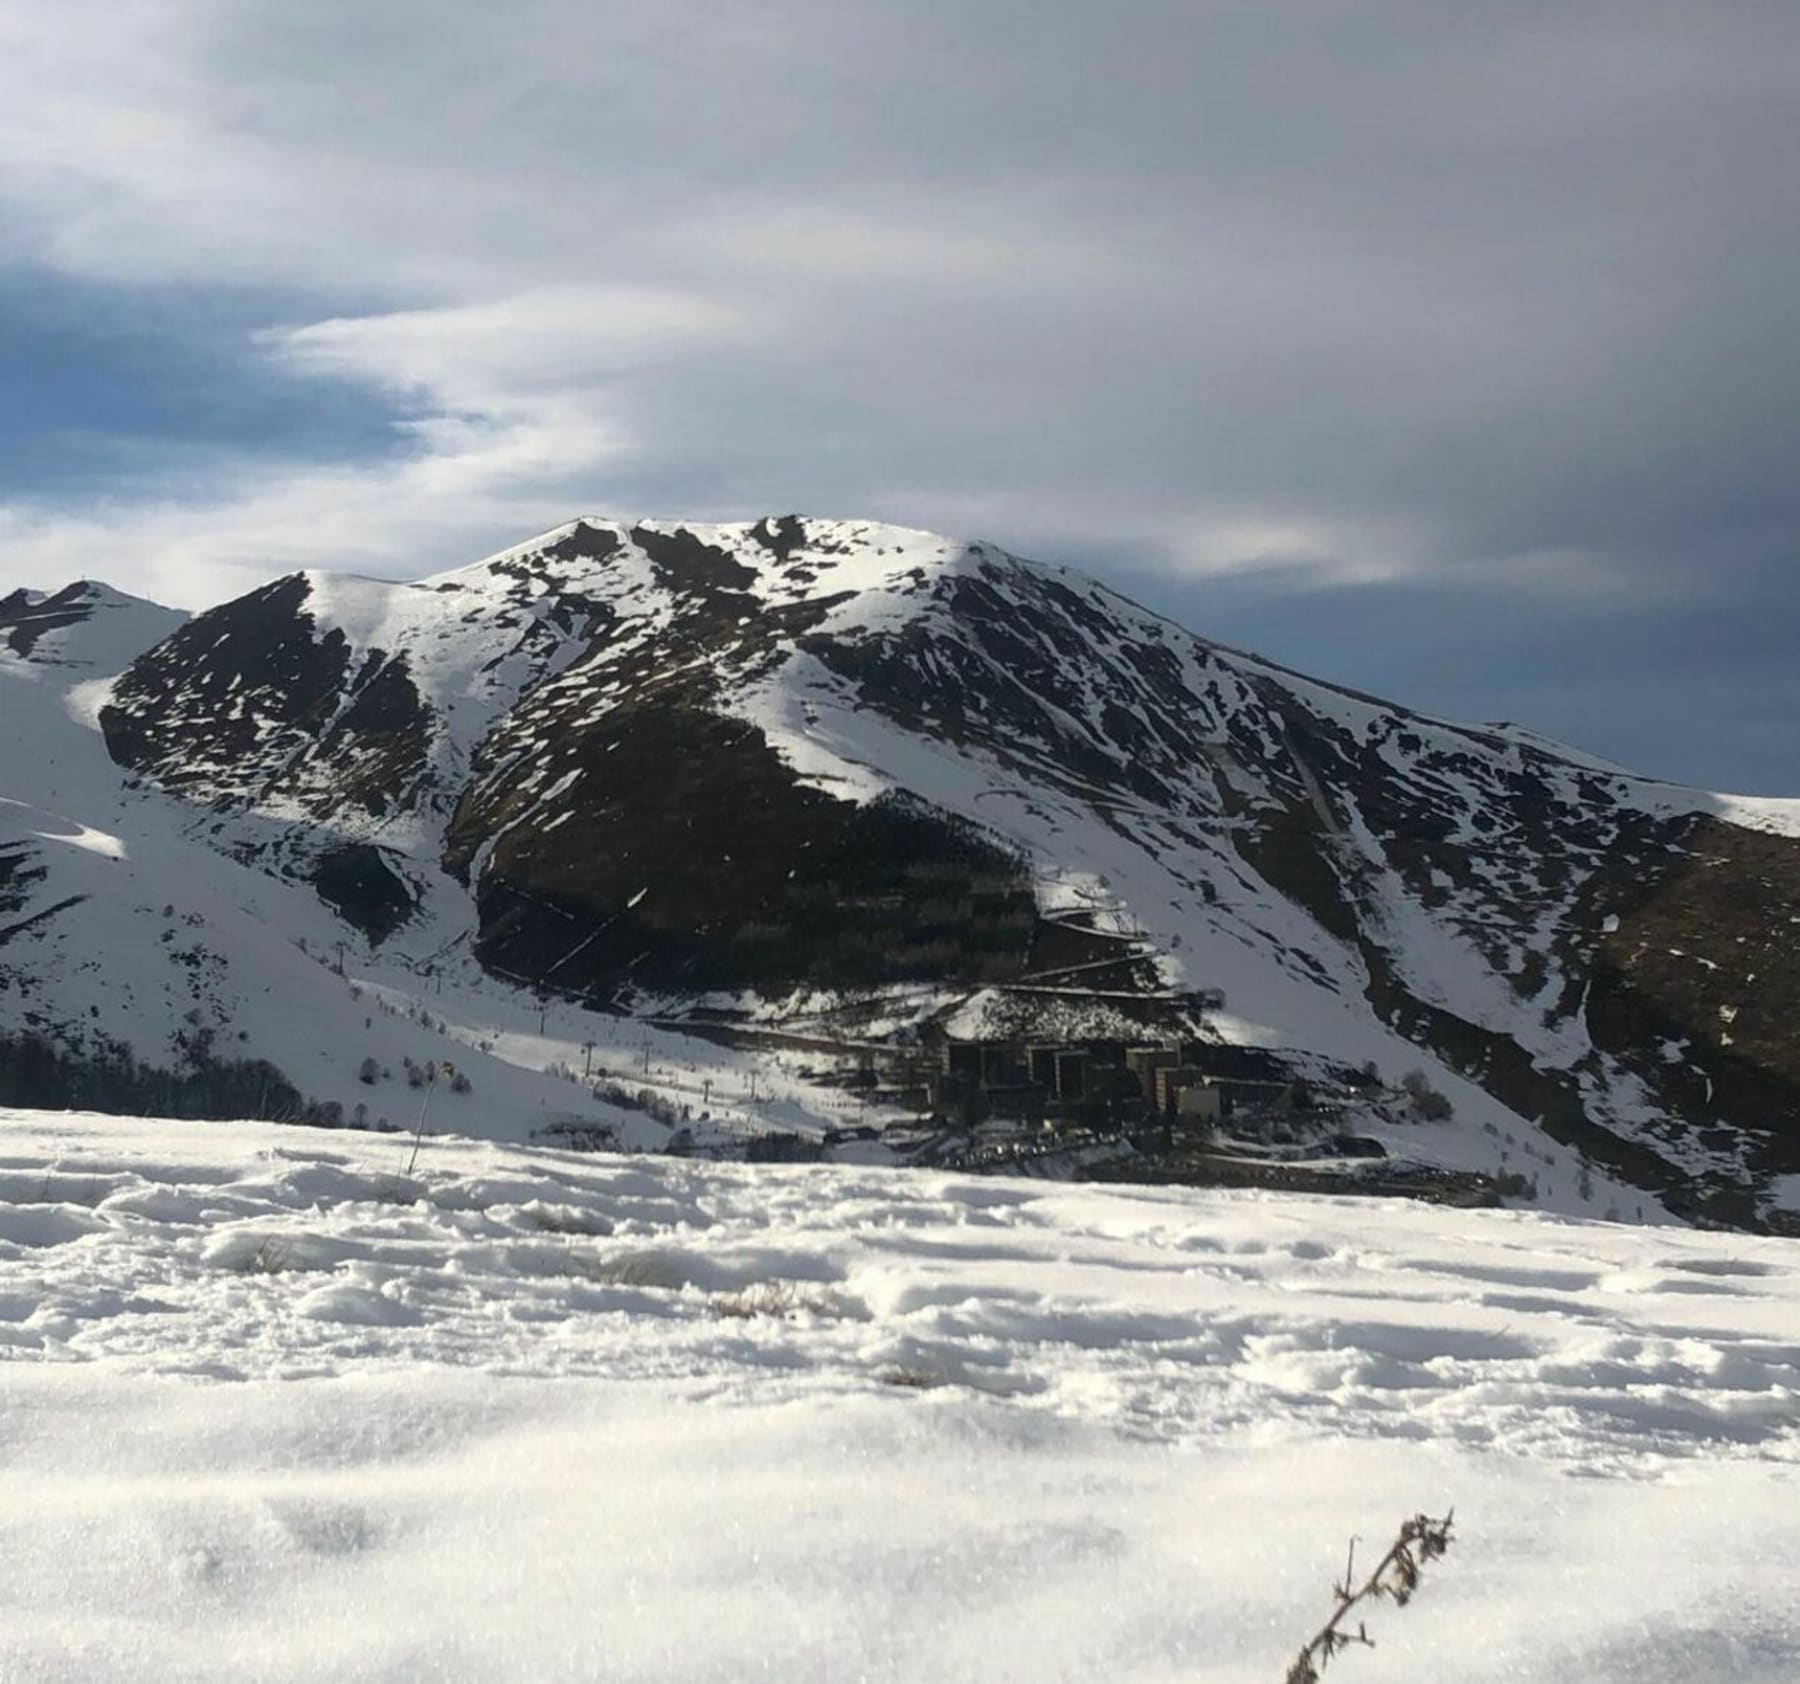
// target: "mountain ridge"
[[664, 768]]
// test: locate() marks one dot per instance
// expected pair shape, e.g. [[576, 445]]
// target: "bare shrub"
[[911, 1379], [1428, 1104], [1396, 1577], [641, 1268], [647, 1100], [780, 1299]]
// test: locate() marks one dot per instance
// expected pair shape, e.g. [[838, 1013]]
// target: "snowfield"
[[276, 1409]]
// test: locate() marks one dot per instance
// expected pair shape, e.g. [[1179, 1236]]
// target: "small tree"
[[1428, 1104], [368, 1072]]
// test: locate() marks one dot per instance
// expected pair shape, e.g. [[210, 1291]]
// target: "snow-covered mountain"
[[848, 780]]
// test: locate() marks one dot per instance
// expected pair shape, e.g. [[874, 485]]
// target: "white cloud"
[[482, 355], [1344, 551], [475, 486], [1284, 292]]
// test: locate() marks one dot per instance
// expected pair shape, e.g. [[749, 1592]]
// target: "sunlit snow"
[[279, 1410]]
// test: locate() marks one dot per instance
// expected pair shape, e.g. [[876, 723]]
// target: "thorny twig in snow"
[[431, 1076], [1421, 1539]]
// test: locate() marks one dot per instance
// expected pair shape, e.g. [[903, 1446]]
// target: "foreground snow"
[[281, 1411]]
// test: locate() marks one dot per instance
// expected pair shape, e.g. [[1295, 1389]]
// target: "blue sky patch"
[[103, 385]]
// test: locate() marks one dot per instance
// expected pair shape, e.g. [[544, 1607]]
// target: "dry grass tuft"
[[781, 1299]]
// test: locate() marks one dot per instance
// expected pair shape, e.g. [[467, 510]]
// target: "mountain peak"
[[774, 559], [84, 623], [848, 779]]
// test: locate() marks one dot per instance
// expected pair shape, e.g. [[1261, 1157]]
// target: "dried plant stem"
[[1396, 1576], [431, 1076]]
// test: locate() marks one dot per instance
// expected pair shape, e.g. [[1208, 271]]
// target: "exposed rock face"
[[25, 616], [667, 761], [253, 701], [85, 625]]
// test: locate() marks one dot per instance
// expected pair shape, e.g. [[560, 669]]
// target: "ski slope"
[[276, 1408]]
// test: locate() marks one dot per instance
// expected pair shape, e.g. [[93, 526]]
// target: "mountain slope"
[[854, 780], [144, 966]]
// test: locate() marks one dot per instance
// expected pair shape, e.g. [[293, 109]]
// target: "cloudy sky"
[[1450, 349]]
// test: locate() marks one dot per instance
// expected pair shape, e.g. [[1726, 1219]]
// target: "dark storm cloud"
[[1469, 327]]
